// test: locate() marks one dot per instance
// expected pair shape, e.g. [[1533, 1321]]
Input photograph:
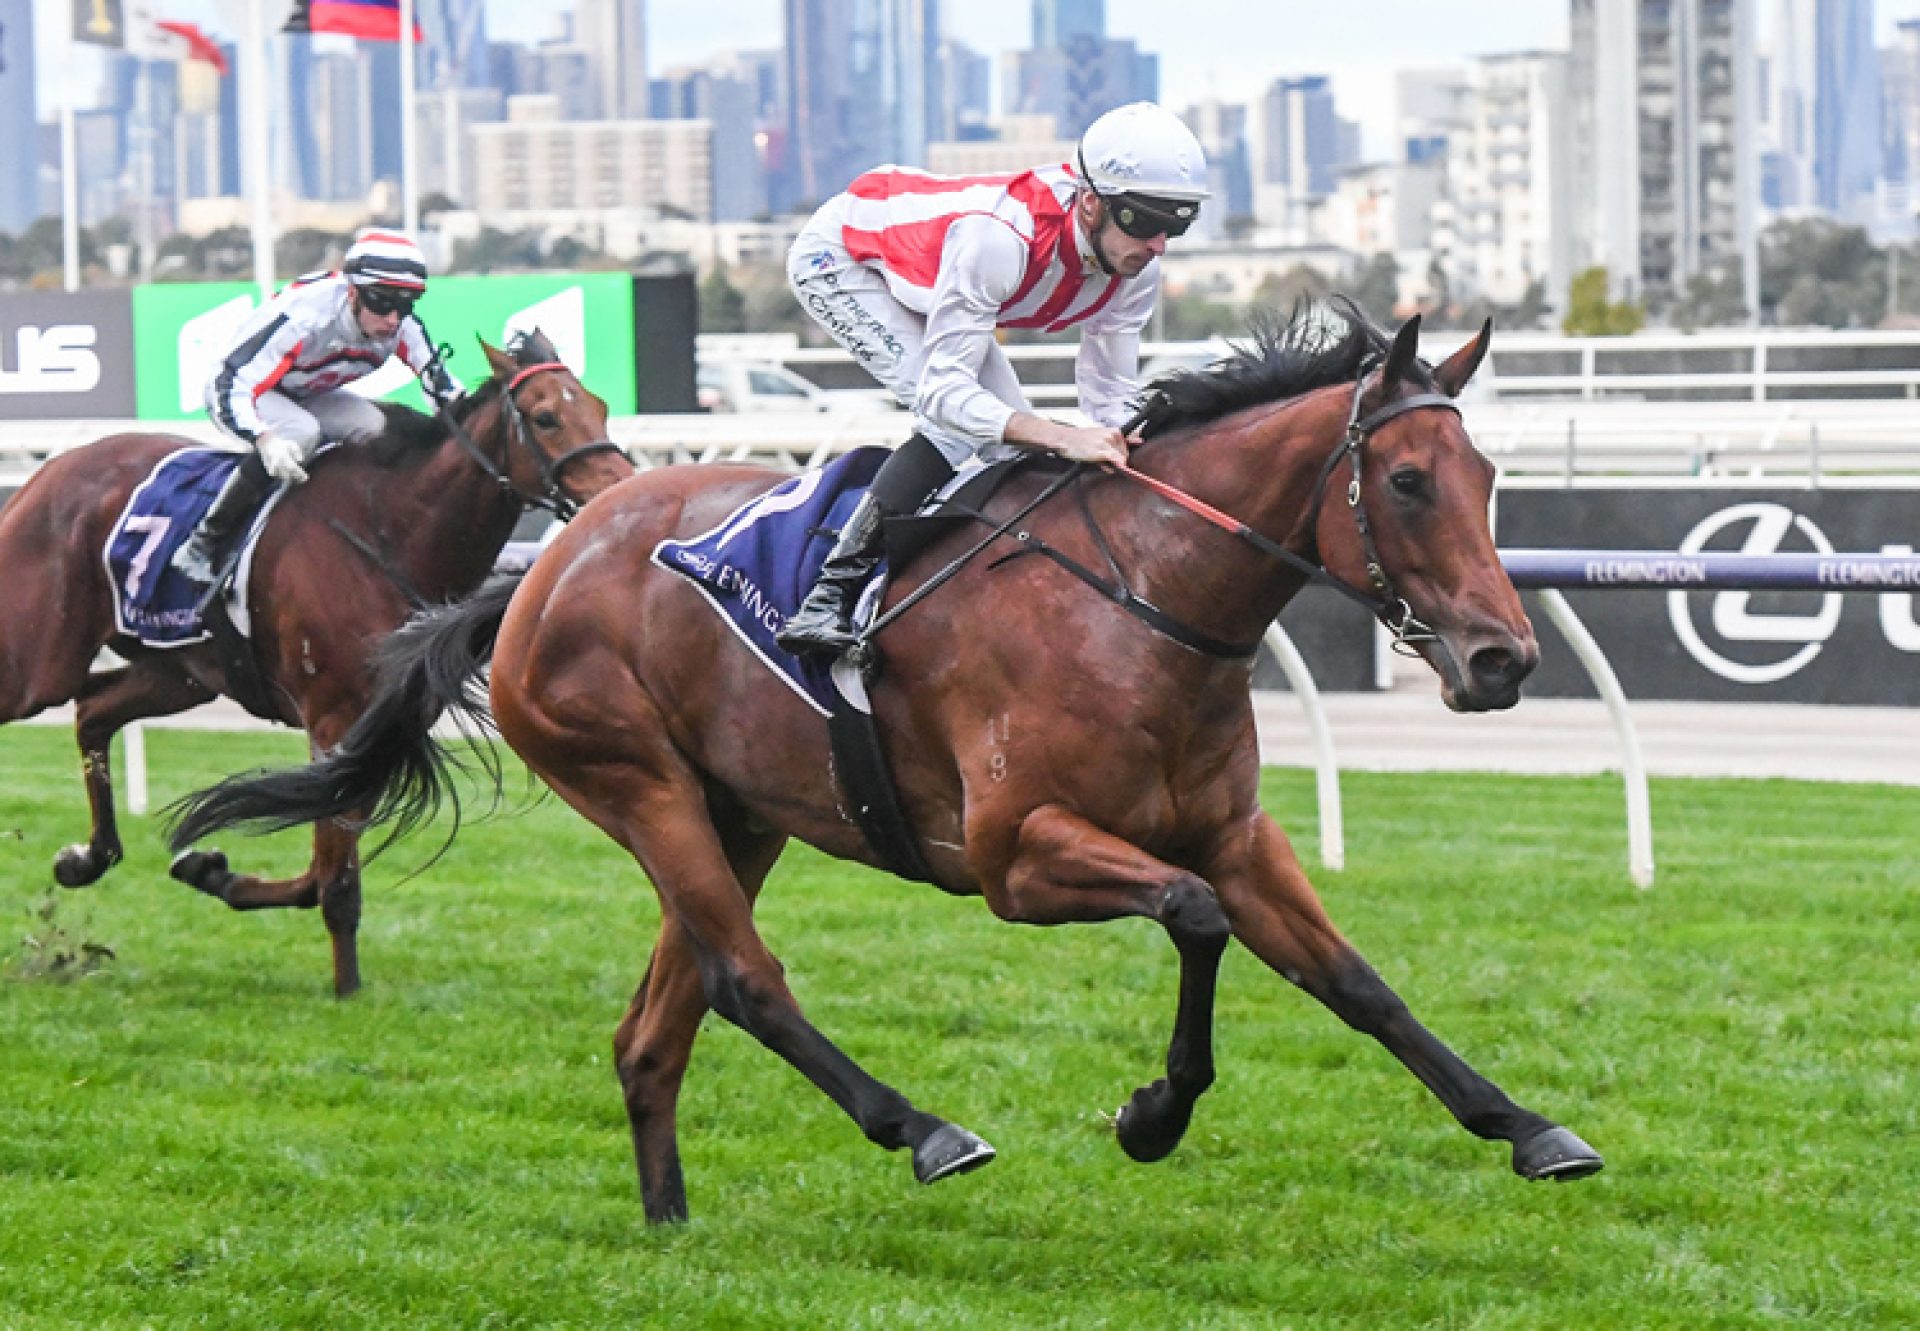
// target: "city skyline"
[[1196, 60]]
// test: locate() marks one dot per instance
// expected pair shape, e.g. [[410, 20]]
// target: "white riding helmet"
[[386, 259], [1144, 155]]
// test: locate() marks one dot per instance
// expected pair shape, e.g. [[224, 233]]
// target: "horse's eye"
[[546, 420], [1408, 483]]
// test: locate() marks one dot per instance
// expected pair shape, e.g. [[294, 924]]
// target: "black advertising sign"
[[1816, 646], [66, 355]]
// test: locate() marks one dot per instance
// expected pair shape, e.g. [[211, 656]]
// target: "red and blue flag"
[[369, 20]]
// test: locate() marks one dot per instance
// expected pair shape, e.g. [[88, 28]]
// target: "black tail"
[[389, 763]]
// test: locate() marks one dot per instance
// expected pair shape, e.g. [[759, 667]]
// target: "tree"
[[309, 250], [1591, 314], [1194, 318], [1815, 270], [1375, 287], [1711, 300], [723, 309], [1280, 292]]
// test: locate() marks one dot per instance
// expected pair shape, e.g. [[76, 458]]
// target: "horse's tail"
[[389, 762]]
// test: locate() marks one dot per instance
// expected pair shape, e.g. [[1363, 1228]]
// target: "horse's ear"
[[503, 365], [1406, 349], [1451, 374]]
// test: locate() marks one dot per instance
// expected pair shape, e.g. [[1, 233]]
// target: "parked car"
[[763, 386]]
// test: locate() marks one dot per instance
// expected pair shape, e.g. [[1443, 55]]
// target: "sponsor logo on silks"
[[1799, 637], [202, 341], [59, 359], [821, 259]]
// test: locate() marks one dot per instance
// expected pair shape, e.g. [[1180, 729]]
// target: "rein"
[[551, 498], [1386, 605]]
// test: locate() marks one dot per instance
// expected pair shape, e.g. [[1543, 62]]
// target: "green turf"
[[195, 1134]]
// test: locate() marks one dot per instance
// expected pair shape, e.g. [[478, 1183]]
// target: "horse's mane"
[[1312, 348], [411, 435]]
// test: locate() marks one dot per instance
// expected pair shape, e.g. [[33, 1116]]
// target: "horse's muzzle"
[[1482, 672]]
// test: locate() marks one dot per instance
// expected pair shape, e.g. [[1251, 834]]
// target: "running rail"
[[1547, 572]]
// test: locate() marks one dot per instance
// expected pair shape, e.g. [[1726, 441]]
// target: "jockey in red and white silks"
[[913, 274]]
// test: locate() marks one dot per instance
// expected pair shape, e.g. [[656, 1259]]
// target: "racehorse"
[[413, 519], [1063, 758]]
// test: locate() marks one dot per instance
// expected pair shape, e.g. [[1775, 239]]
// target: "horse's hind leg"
[[107, 702], [331, 882], [1277, 915], [654, 1042], [1067, 870], [657, 808]]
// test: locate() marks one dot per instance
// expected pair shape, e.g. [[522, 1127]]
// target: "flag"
[[99, 23], [369, 20], [170, 40]]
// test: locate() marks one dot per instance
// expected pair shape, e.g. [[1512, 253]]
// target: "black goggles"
[[1144, 218], [385, 300]]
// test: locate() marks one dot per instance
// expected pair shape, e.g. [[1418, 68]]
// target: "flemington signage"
[[66, 355], [1855, 638]]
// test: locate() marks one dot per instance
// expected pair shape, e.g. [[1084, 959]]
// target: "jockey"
[[281, 387], [913, 273]]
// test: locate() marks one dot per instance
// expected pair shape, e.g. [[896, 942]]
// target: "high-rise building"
[[863, 90], [20, 164], [296, 155], [1900, 93], [614, 35], [1058, 23], [342, 131], [731, 106], [1079, 82], [1299, 146], [1503, 221], [1663, 98], [536, 162], [1826, 116], [1221, 128], [966, 93]]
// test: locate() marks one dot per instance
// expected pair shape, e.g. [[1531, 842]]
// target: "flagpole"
[[409, 178], [69, 178], [253, 132]]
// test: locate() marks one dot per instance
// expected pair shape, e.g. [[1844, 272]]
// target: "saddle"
[[754, 570]]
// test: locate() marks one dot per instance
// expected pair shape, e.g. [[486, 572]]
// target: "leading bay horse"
[[382, 529], [1064, 759]]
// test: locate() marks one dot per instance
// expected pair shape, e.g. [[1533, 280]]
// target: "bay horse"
[[382, 529], [1056, 755]]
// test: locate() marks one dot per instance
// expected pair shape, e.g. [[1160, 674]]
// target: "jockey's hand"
[[1089, 443], [282, 459]]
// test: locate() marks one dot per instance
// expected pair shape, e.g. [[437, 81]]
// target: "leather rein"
[[551, 497], [1380, 598]]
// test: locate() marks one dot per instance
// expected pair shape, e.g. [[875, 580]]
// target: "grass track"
[[198, 1135]]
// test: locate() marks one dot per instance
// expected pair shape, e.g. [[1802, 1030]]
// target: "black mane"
[[411, 435], [1309, 350]]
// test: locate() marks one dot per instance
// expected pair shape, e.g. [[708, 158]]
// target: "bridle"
[[1380, 598], [550, 497]]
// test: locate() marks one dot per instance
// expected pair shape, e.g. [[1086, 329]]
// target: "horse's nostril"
[[1496, 667]]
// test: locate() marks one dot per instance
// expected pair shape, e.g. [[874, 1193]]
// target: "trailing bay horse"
[[1061, 757], [382, 529]]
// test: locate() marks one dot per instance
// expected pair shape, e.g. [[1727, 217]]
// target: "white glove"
[[282, 459]]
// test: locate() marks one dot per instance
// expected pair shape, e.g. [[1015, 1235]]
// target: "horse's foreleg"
[[1276, 913], [654, 1042], [1065, 869], [107, 702]]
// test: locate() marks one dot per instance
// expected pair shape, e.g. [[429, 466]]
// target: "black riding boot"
[[823, 624], [239, 499]]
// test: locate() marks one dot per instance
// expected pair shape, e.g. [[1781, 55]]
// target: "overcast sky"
[[1225, 48]]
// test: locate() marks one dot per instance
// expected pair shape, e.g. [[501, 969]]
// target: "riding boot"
[[823, 625], [239, 499]]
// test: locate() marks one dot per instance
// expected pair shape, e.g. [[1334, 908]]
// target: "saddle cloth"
[[754, 569], [152, 602]]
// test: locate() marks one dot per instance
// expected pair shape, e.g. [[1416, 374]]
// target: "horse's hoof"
[[203, 870], [76, 866], [949, 1149], [1152, 1123], [1556, 1154]]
